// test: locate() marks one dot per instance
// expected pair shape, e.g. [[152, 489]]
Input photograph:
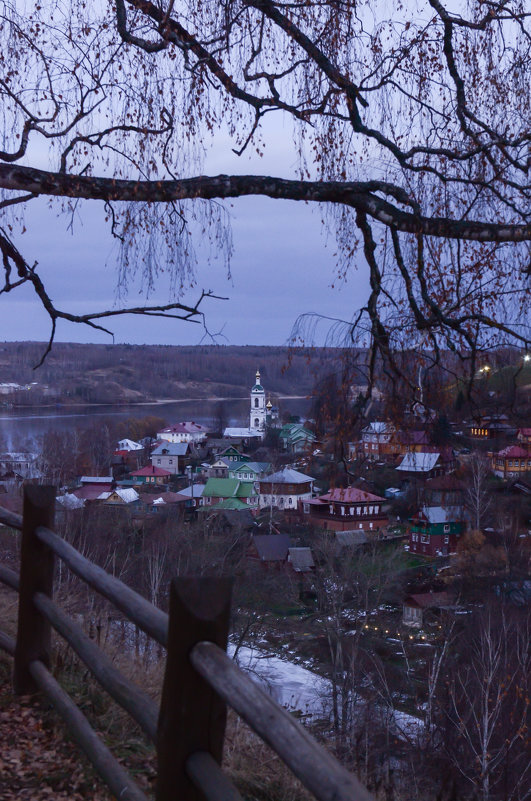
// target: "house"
[[123, 461], [218, 469], [348, 509], [446, 491], [270, 549], [188, 431], [488, 427], [169, 503], [377, 440], [129, 445], [151, 475], [92, 486], [434, 530], [412, 441], [245, 435], [171, 456], [295, 438], [350, 539], [194, 494], [21, 465], [220, 489], [248, 471], [523, 435], [285, 489], [422, 464], [120, 497], [301, 559], [69, 502], [416, 606], [232, 454], [511, 462]]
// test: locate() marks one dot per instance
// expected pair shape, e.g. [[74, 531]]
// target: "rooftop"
[[287, 476]]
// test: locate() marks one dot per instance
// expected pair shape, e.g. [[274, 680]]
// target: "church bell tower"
[[258, 411]]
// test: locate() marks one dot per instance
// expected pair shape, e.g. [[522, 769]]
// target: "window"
[[376, 510], [256, 422], [342, 510], [351, 510], [171, 461], [256, 403], [158, 461], [371, 509], [446, 540], [446, 528], [358, 511], [424, 538]]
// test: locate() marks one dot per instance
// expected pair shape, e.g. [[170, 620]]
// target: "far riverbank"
[[20, 426]]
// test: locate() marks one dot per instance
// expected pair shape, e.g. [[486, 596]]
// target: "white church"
[[259, 412]]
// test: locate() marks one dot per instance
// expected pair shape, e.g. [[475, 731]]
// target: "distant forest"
[[117, 373]]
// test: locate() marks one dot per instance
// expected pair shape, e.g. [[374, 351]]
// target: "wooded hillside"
[[78, 373]]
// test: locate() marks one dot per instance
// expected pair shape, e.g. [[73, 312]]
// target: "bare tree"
[[489, 706], [478, 495], [410, 126]]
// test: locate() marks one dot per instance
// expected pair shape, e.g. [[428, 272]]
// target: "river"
[[21, 426]]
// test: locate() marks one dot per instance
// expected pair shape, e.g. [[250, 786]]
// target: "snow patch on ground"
[[294, 687]]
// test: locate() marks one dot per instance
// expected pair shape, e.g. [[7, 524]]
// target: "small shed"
[[415, 606]]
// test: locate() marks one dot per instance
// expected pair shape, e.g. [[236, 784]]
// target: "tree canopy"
[[410, 123]]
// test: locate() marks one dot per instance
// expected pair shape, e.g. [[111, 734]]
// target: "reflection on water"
[[17, 426]]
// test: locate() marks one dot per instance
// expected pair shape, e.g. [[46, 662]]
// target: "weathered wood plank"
[[139, 705], [36, 575], [192, 715], [10, 519], [7, 643], [115, 777], [315, 767], [9, 577], [206, 774], [146, 616]]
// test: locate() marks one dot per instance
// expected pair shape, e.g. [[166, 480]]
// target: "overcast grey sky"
[[283, 266]]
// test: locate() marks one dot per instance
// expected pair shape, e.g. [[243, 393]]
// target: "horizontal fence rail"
[[200, 680], [139, 705], [10, 519], [110, 770], [146, 616], [319, 771]]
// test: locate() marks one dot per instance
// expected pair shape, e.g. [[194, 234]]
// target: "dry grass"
[[255, 769]]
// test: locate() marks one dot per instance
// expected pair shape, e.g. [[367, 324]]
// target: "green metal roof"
[[228, 488], [230, 503]]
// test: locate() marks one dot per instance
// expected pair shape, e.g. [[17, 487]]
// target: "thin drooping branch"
[[12, 257], [357, 195]]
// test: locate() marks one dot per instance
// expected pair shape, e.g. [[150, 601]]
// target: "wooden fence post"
[[192, 716], [36, 575]]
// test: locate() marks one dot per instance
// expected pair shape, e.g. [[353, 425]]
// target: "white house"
[[188, 431], [129, 445], [285, 489]]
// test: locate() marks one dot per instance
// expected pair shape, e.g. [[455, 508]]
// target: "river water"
[[19, 427]]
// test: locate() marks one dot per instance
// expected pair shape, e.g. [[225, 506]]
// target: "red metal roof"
[[514, 451], [350, 495], [151, 471]]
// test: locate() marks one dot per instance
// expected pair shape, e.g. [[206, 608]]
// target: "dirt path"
[[37, 762]]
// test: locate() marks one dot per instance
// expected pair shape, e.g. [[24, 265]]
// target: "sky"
[[283, 266]]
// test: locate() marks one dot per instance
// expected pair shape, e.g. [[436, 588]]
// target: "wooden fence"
[[200, 679]]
